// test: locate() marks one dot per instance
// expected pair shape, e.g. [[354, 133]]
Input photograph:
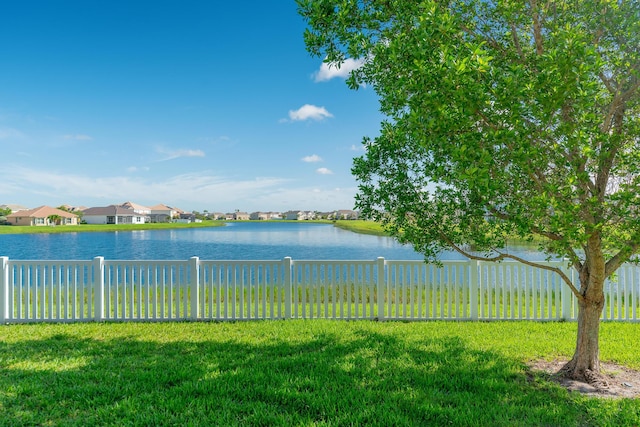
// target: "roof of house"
[[163, 207], [109, 210], [135, 206], [70, 208], [42, 212], [14, 208]]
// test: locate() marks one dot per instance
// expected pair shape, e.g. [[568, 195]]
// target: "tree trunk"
[[585, 364]]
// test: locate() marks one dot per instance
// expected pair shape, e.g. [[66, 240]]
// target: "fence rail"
[[194, 289]]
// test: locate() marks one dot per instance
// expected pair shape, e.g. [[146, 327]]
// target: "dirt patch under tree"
[[622, 382]]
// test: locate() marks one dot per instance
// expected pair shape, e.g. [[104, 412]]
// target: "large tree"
[[504, 118]]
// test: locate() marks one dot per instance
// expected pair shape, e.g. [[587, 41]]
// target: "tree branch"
[[516, 41], [503, 256], [606, 163], [573, 257], [618, 102], [608, 84], [537, 26], [622, 256], [505, 217]]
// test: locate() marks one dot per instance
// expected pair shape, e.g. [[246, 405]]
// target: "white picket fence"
[[194, 289]]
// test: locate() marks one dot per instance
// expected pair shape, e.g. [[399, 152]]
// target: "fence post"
[[381, 285], [98, 288], [286, 271], [474, 265], [195, 287], [4, 289], [566, 294]]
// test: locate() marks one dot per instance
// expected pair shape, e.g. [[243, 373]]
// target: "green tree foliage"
[[504, 118], [54, 219]]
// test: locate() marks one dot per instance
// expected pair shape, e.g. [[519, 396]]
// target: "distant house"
[[70, 208], [44, 215], [241, 216], [112, 214], [14, 208], [344, 214], [293, 215], [186, 217], [163, 213], [259, 216], [299, 215], [217, 215], [263, 216], [139, 209]]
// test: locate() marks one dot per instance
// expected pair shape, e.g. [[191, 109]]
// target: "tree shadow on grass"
[[371, 379]]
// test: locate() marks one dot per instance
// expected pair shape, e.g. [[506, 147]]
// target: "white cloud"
[[7, 133], [174, 154], [312, 159], [78, 137], [307, 112], [192, 188], [193, 191], [330, 71], [324, 171]]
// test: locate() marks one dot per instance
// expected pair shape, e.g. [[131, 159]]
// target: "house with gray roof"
[[164, 213], [112, 214]]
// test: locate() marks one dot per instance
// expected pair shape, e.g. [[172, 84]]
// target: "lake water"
[[235, 241]]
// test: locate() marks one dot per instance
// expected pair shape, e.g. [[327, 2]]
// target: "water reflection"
[[235, 241], [243, 241]]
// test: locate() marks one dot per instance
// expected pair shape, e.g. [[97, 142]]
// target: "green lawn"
[[300, 373]]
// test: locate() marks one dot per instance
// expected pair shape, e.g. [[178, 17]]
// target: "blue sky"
[[200, 105]]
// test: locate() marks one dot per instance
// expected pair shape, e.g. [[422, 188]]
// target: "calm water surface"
[[242, 240], [235, 241]]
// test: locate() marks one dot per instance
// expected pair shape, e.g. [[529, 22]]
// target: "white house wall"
[[95, 219]]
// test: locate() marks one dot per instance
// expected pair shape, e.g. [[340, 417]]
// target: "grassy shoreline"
[[357, 226], [362, 226], [82, 228]]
